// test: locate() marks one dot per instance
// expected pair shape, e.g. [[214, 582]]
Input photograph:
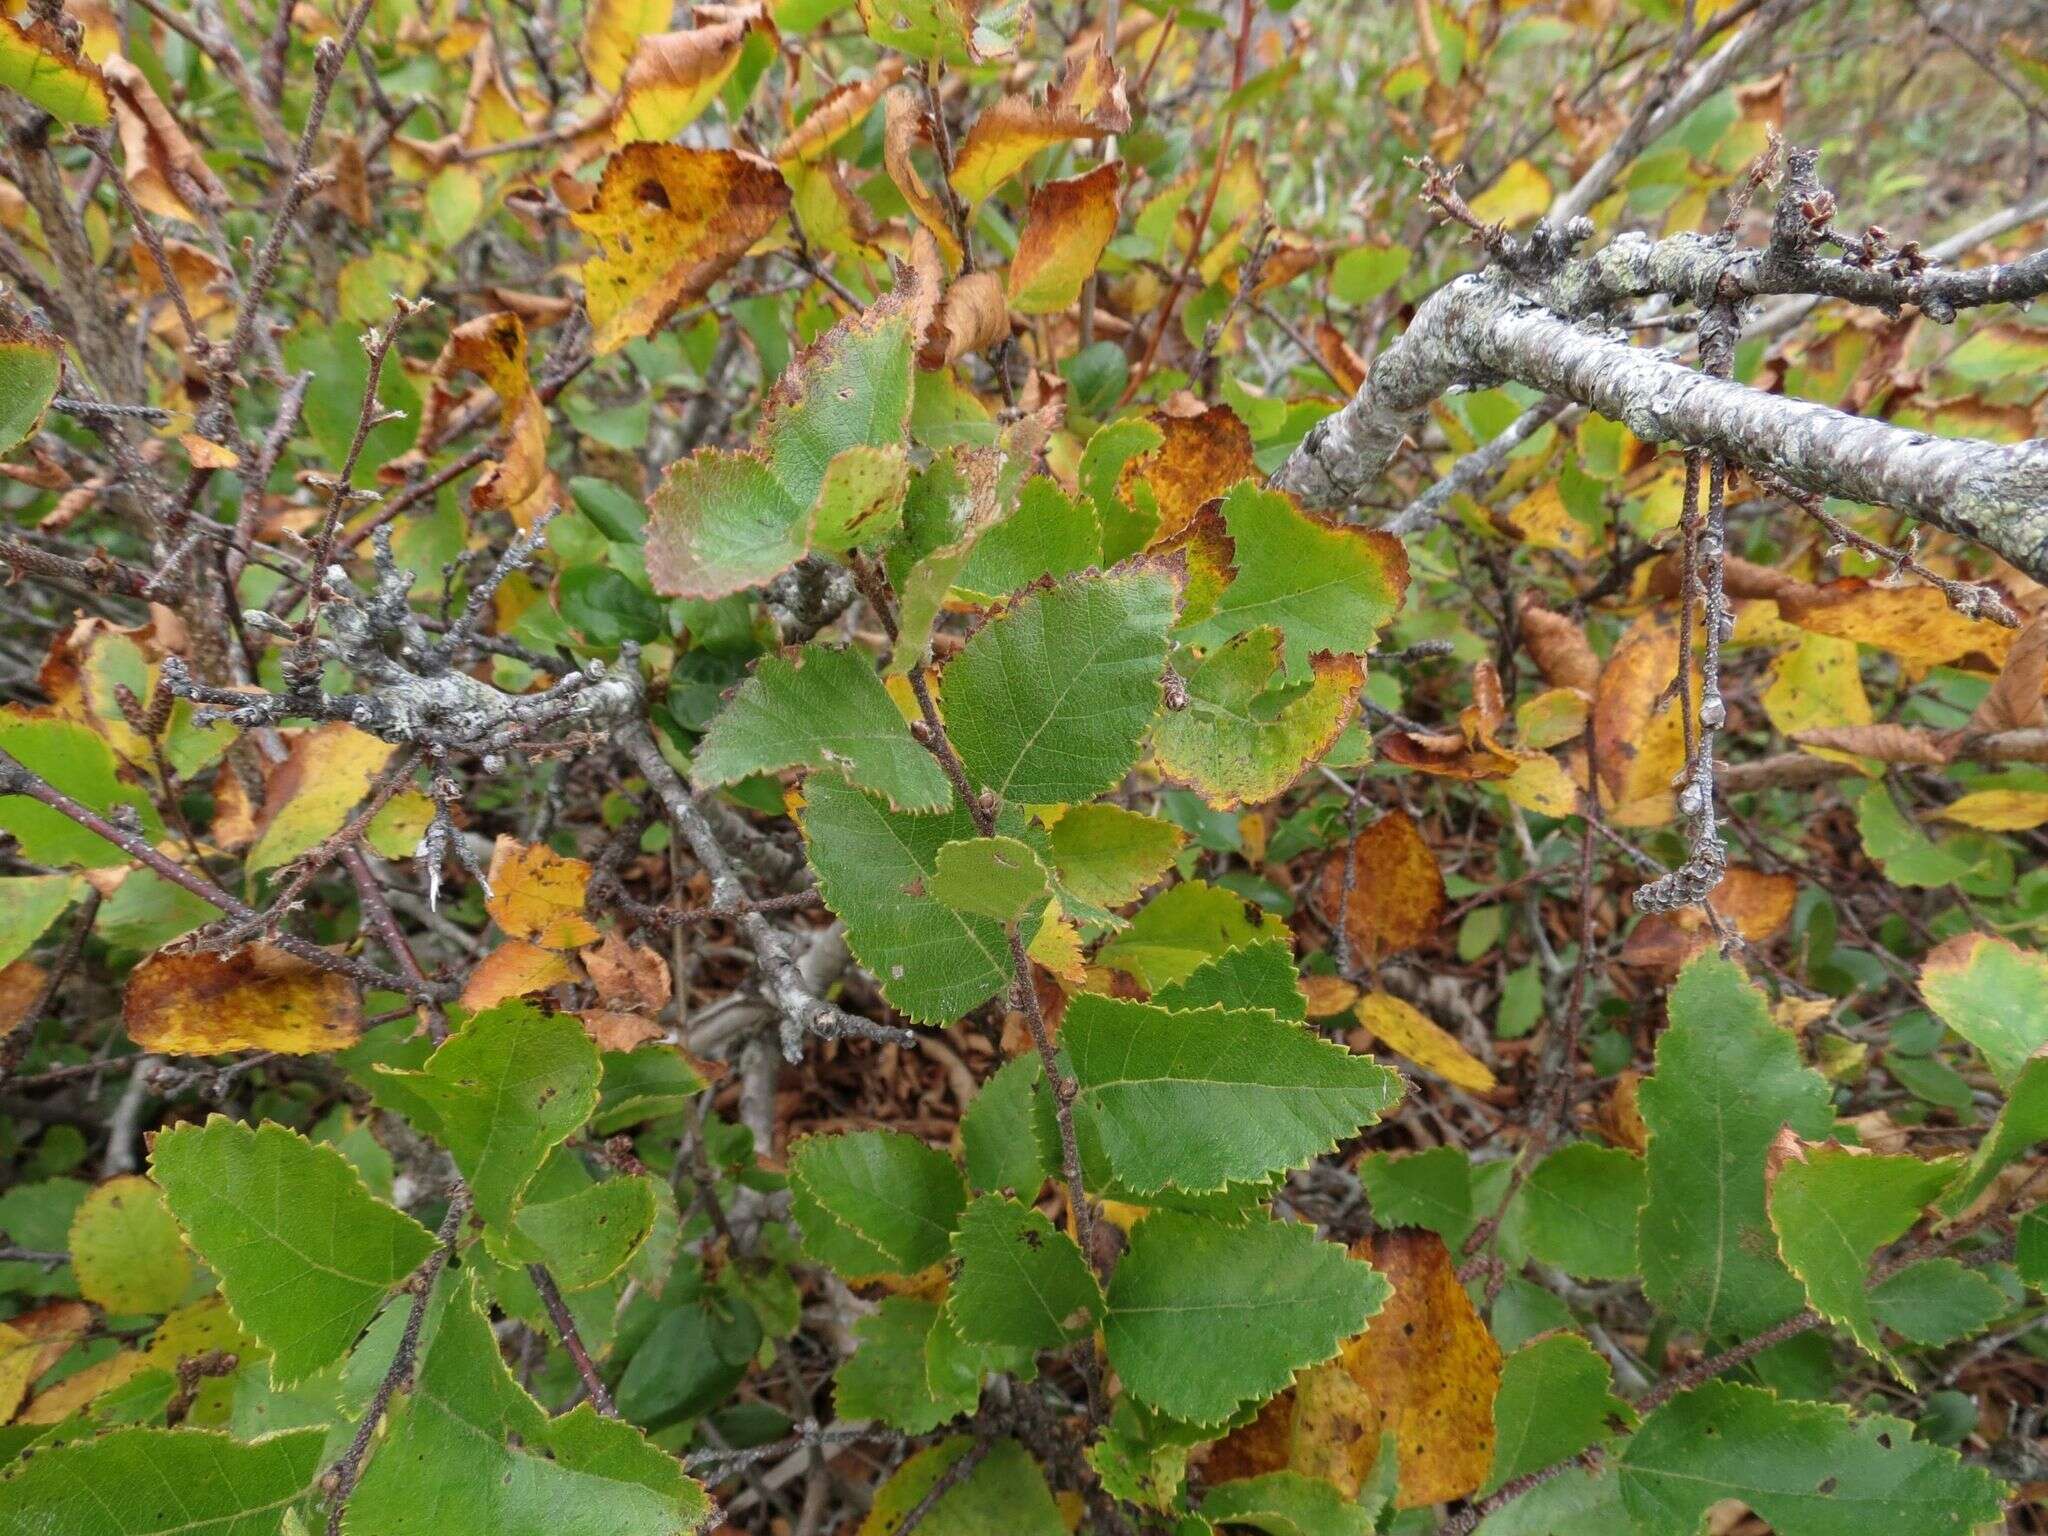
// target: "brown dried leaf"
[[1430, 1364], [1397, 895], [627, 975], [614, 1031], [1885, 742], [1200, 456], [2014, 702], [972, 318], [539, 895], [1558, 646], [258, 998], [906, 124], [165, 173]]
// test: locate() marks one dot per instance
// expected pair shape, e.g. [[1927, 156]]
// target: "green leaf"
[[1727, 1080], [1048, 535], [821, 708], [586, 1238], [607, 608], [304, 1252], [1106, 855], [28, 905], [1905, 853], [31, 363], [691, 1361], [887, 1376], [874, 1202], [1245, 735], [126, 1250], [157, 1482], [875, 868], [1325, 586], [1287, 1504], [1257, 975], [471, 1454], [1047, 704], [2032, 1257], [2021, 1124], [1008, 1133], [500, 1094], [1832, 1209], [1179, 929], [1555, 1399], [1124, 532], [1143, 1456], [1807, 1469], [76, 759], [35, 61], [1995, 995], [1204, 1317], [1022, 1282], [1365, 272], [1005, 1493], [1196, 1101], [642, 1085], [1938, 1302], [722, 522], [1431, 1189], [1579, 1209], [999, 878]]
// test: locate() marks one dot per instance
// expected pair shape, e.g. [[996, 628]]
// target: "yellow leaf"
[[537, 894], [1068, 225], [1086, 102], [126, 1250], [835, 114], [1542, 519], [1057, 947], [1916, 624], [668, 222], [1405, 1031], [1552, 718], [673, 77], [612, 29], [907, 124], [1816, 684], [1518, 195], [36, 61], [205, 453], [1328, 995], [1431, 1366], [255, 999], [1542, 784], [515, 969], [312, 791], [1639, 734], [2000, 810], [1326, 1426], [75, 1391], [493, 347]]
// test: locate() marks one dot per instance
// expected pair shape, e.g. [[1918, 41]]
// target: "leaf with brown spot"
[[255, 999], [1326, 1426], [1397, 895], [668, 222], [1915, 624], [1638, 732], [1199, 457], [537, 894], [516, 969], [1407, 1031], [627, 975], [1886, 742], [1086, 102], [1431, 1366], [1065, 231]]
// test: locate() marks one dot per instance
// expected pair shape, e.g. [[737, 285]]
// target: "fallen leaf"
[[1397, 893], [1407, 1031], [538, 894], [256, 999], [1431, 1366]]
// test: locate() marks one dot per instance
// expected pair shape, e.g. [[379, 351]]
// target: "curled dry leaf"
[[1086, 102], [1407, 1031], [256, 999], [614, 1031], [2014, 702], [1065, 231], [516, 969], [972, 318], [164, 170], [1638, 730], [1886, 742], [627, 975], [906, 125], [668, 221], [1397, 895], [538, 894], [673, 76], [1558, 646], [837, 113], [1430, 1364], [493, 347]]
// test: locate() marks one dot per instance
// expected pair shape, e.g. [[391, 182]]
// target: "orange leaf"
[[669, 221], [1065, 231], [1397, 894], [515, 969], [1638, 733], [537, 894], [258, 998], [906, 124], [627, 975], [1200, 456], [1431, 1366]]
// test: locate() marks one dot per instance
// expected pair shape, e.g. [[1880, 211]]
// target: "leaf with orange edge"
[[1326, 1426], [950, 31], [836, 114], [1245, 733], [310, 794], [1408, 1032], [537, 894], [668, 222], [1197, 459], [1086, 102], [906, 124], [1638, 732], [516, 968], [1065, 232], [1431, 1366], [613, 29], [673, 76], [258, 998], [493, 347], [1915, 624], [1397, 893]]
